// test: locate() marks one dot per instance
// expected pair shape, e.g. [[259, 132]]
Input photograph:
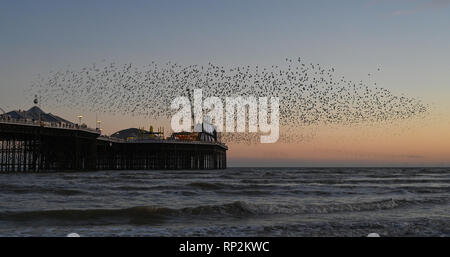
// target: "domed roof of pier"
[[126, 133], [33, 114]]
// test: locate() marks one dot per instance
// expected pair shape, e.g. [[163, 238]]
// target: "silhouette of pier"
[[37, 146]]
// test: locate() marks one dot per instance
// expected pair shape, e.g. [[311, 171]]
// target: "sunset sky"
[[408, 39]]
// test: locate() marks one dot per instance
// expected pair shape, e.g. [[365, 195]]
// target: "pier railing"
[[168, 141], [58, 125]]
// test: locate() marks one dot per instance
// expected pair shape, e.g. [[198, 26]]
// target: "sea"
[[317, 202]]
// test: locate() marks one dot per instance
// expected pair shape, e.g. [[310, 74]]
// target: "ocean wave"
[[133, 215], [18, 189], [209, 186], [221, 186], [152, 214]]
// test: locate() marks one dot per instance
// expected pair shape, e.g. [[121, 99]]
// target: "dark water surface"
[[232, 202]]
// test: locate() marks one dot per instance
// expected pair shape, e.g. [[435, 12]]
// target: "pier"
[[36, 146]]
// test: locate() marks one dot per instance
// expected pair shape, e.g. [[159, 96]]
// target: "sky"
[[408, 39]]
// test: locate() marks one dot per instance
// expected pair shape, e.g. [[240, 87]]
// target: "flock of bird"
[[309, 94]]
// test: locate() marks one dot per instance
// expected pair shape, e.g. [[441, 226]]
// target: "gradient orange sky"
[[400, 144]]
